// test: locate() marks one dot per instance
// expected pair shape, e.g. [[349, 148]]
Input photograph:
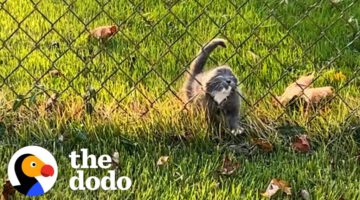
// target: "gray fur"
[[201, 88]]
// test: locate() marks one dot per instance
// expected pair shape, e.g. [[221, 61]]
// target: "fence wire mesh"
[[50, 64]]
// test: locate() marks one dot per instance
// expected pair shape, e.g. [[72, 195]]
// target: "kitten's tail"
[[197, 65]]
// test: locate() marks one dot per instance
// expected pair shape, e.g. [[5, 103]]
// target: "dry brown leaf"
[[263, 144], [104, 32], [8, 191], [163, 160], [301, 143], [228, 167], [271, 190], [315, 95], [50, 103], [294, 90], [284, 186], [276, 185]]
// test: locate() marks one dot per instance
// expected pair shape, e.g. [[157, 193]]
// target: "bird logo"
[[32, 170]]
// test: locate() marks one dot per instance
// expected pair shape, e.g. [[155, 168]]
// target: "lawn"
[[123, 96]]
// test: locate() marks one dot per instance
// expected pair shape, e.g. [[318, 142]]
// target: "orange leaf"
[[284, 186], [301, 144], [104, 32], [263, 144]]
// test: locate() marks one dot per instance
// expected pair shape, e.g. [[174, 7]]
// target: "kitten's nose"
[[228, 82]]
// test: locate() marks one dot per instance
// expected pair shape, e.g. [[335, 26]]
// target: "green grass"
[[152, 50]]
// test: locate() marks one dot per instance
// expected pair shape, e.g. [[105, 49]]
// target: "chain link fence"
[[50, 64]]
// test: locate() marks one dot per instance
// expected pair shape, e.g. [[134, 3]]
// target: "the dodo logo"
[[32, 170]]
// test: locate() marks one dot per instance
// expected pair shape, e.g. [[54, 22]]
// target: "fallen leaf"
[[294, 90], [271, 190], [284, 186], [301, 143], [276, 185], [228, 167], [315, 95], [8, 191], [163, 160], [305, 194], [104, 32], [263, 144], [50, 103], [55, 73]]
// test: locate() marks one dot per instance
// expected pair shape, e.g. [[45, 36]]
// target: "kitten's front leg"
[[238, 131], [234, 123]]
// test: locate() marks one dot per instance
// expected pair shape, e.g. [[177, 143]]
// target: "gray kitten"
[[214, 90]]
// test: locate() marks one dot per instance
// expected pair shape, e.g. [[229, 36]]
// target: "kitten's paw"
[[238, 131]]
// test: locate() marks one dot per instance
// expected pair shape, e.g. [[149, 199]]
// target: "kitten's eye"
[[219, 76], [33, 164]]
